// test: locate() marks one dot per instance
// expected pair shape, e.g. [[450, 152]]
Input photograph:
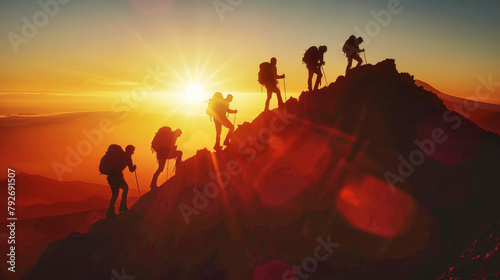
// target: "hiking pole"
[[167, 169], [364, 52], [284, 87], [137, 181], [234, 121], [324, 74]]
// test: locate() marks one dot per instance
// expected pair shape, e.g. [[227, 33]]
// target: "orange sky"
[[143, 55], [94, 46]]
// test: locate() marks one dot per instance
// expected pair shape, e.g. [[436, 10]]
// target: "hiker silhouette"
[[218, 107], [268, 77], [351, 50], [164, 145], [314, 60], [112, 164]]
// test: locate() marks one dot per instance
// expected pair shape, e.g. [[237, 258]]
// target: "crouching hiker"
[[164, 145]]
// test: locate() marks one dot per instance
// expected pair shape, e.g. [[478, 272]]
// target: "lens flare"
[[373, 206], [193, 93]]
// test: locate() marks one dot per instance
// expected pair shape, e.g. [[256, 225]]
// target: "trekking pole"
[[137, 181], [365, 57], [284, 87], [324, 74], [234, 121], [167, 169]]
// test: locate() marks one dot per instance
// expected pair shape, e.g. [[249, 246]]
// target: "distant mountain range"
[[36, 189], [63, 208], [34, 235], [48, 209], [487, 116]]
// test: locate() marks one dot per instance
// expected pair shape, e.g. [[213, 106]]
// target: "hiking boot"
[[123, 208], [111, 213], [153, 185], [226, 143], [217, 147]]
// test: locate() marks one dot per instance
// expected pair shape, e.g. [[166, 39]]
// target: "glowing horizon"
[[93, 46]]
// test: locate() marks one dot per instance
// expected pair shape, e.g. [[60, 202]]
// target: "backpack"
[[349, 44], [162, 140], [113, 160], [310, 55], [213, 104], [265, 75]]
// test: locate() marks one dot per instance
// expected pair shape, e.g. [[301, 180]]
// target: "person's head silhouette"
[[178, 132], [360, 40], [323, 49], [130, 150], [273, 61], [229, 98], [218, 95]]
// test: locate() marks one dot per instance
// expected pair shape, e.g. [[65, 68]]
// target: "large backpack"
[[213, 103], [113, 160], [265, 74], [349, 44], [310, 56], [162, 140]]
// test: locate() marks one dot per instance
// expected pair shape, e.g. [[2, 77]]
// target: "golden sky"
[[95, 46], [166, 57]]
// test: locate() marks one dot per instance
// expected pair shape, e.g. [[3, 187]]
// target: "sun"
[[193, 93]]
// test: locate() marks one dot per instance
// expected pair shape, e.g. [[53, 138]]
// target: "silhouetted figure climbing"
[[112, 164], [314, 60], [218, 107], [164, 145], [268, 77], [352, 50]]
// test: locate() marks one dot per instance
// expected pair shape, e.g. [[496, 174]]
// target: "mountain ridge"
[[483, 105], [313, 170], [485, 115]]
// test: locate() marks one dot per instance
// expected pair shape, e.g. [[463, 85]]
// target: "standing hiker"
[[112, 164], [164, 145], [351, 50], [218, 108], [268, 77], [314, 60]]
